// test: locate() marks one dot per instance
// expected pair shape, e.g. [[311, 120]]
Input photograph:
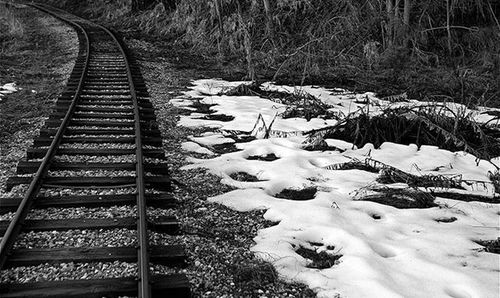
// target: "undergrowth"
[[355, 44], [435, 125]]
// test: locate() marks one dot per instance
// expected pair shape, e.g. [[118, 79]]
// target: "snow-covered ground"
[[386, 252]]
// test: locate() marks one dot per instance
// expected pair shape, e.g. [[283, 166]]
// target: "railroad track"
[[100, 147]]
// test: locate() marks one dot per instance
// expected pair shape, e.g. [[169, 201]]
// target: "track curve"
[[105, 102]]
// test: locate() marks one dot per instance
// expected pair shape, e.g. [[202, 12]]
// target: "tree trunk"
[[448, 25], [390, 23], [269, 17], [247, 44], [406, 13], [219, 16], [397, 26]]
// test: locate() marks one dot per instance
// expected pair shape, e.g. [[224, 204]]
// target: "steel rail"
[[25, 205], [142, 224], [144, 286]]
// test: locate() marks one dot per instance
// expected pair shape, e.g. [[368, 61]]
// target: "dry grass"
[[256, 274], [393, 175], [434, 125], [322, 42], [492, 246], [404, 198], [33, 60], [11, 28]]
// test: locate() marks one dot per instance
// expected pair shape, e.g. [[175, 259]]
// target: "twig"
[[472, 29]]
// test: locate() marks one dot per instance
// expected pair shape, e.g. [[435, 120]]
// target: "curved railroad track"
[[103, 112]]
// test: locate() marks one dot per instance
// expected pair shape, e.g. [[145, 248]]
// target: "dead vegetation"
[[492, 246], [254, 275], [401, 198], [353, 165], [393, 175], [435, 125], [420, 190]]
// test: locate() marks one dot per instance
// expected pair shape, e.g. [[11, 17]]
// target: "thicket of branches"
[[334, 40]]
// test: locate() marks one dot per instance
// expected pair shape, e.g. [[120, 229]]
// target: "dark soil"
[[219, 117], [320, 260], [224, 148], [244, 177], [267, 157], [446, 219], [297, 194]]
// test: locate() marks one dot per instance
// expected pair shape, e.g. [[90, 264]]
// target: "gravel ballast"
[[217, 239]]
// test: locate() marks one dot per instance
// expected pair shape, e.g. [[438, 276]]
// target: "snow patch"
[[8, 89], [194, 147], [386, 252]]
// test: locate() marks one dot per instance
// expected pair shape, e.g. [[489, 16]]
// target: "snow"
[[210, 139], [386, 252], [247, 108], [7, 89], [194, 147]]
